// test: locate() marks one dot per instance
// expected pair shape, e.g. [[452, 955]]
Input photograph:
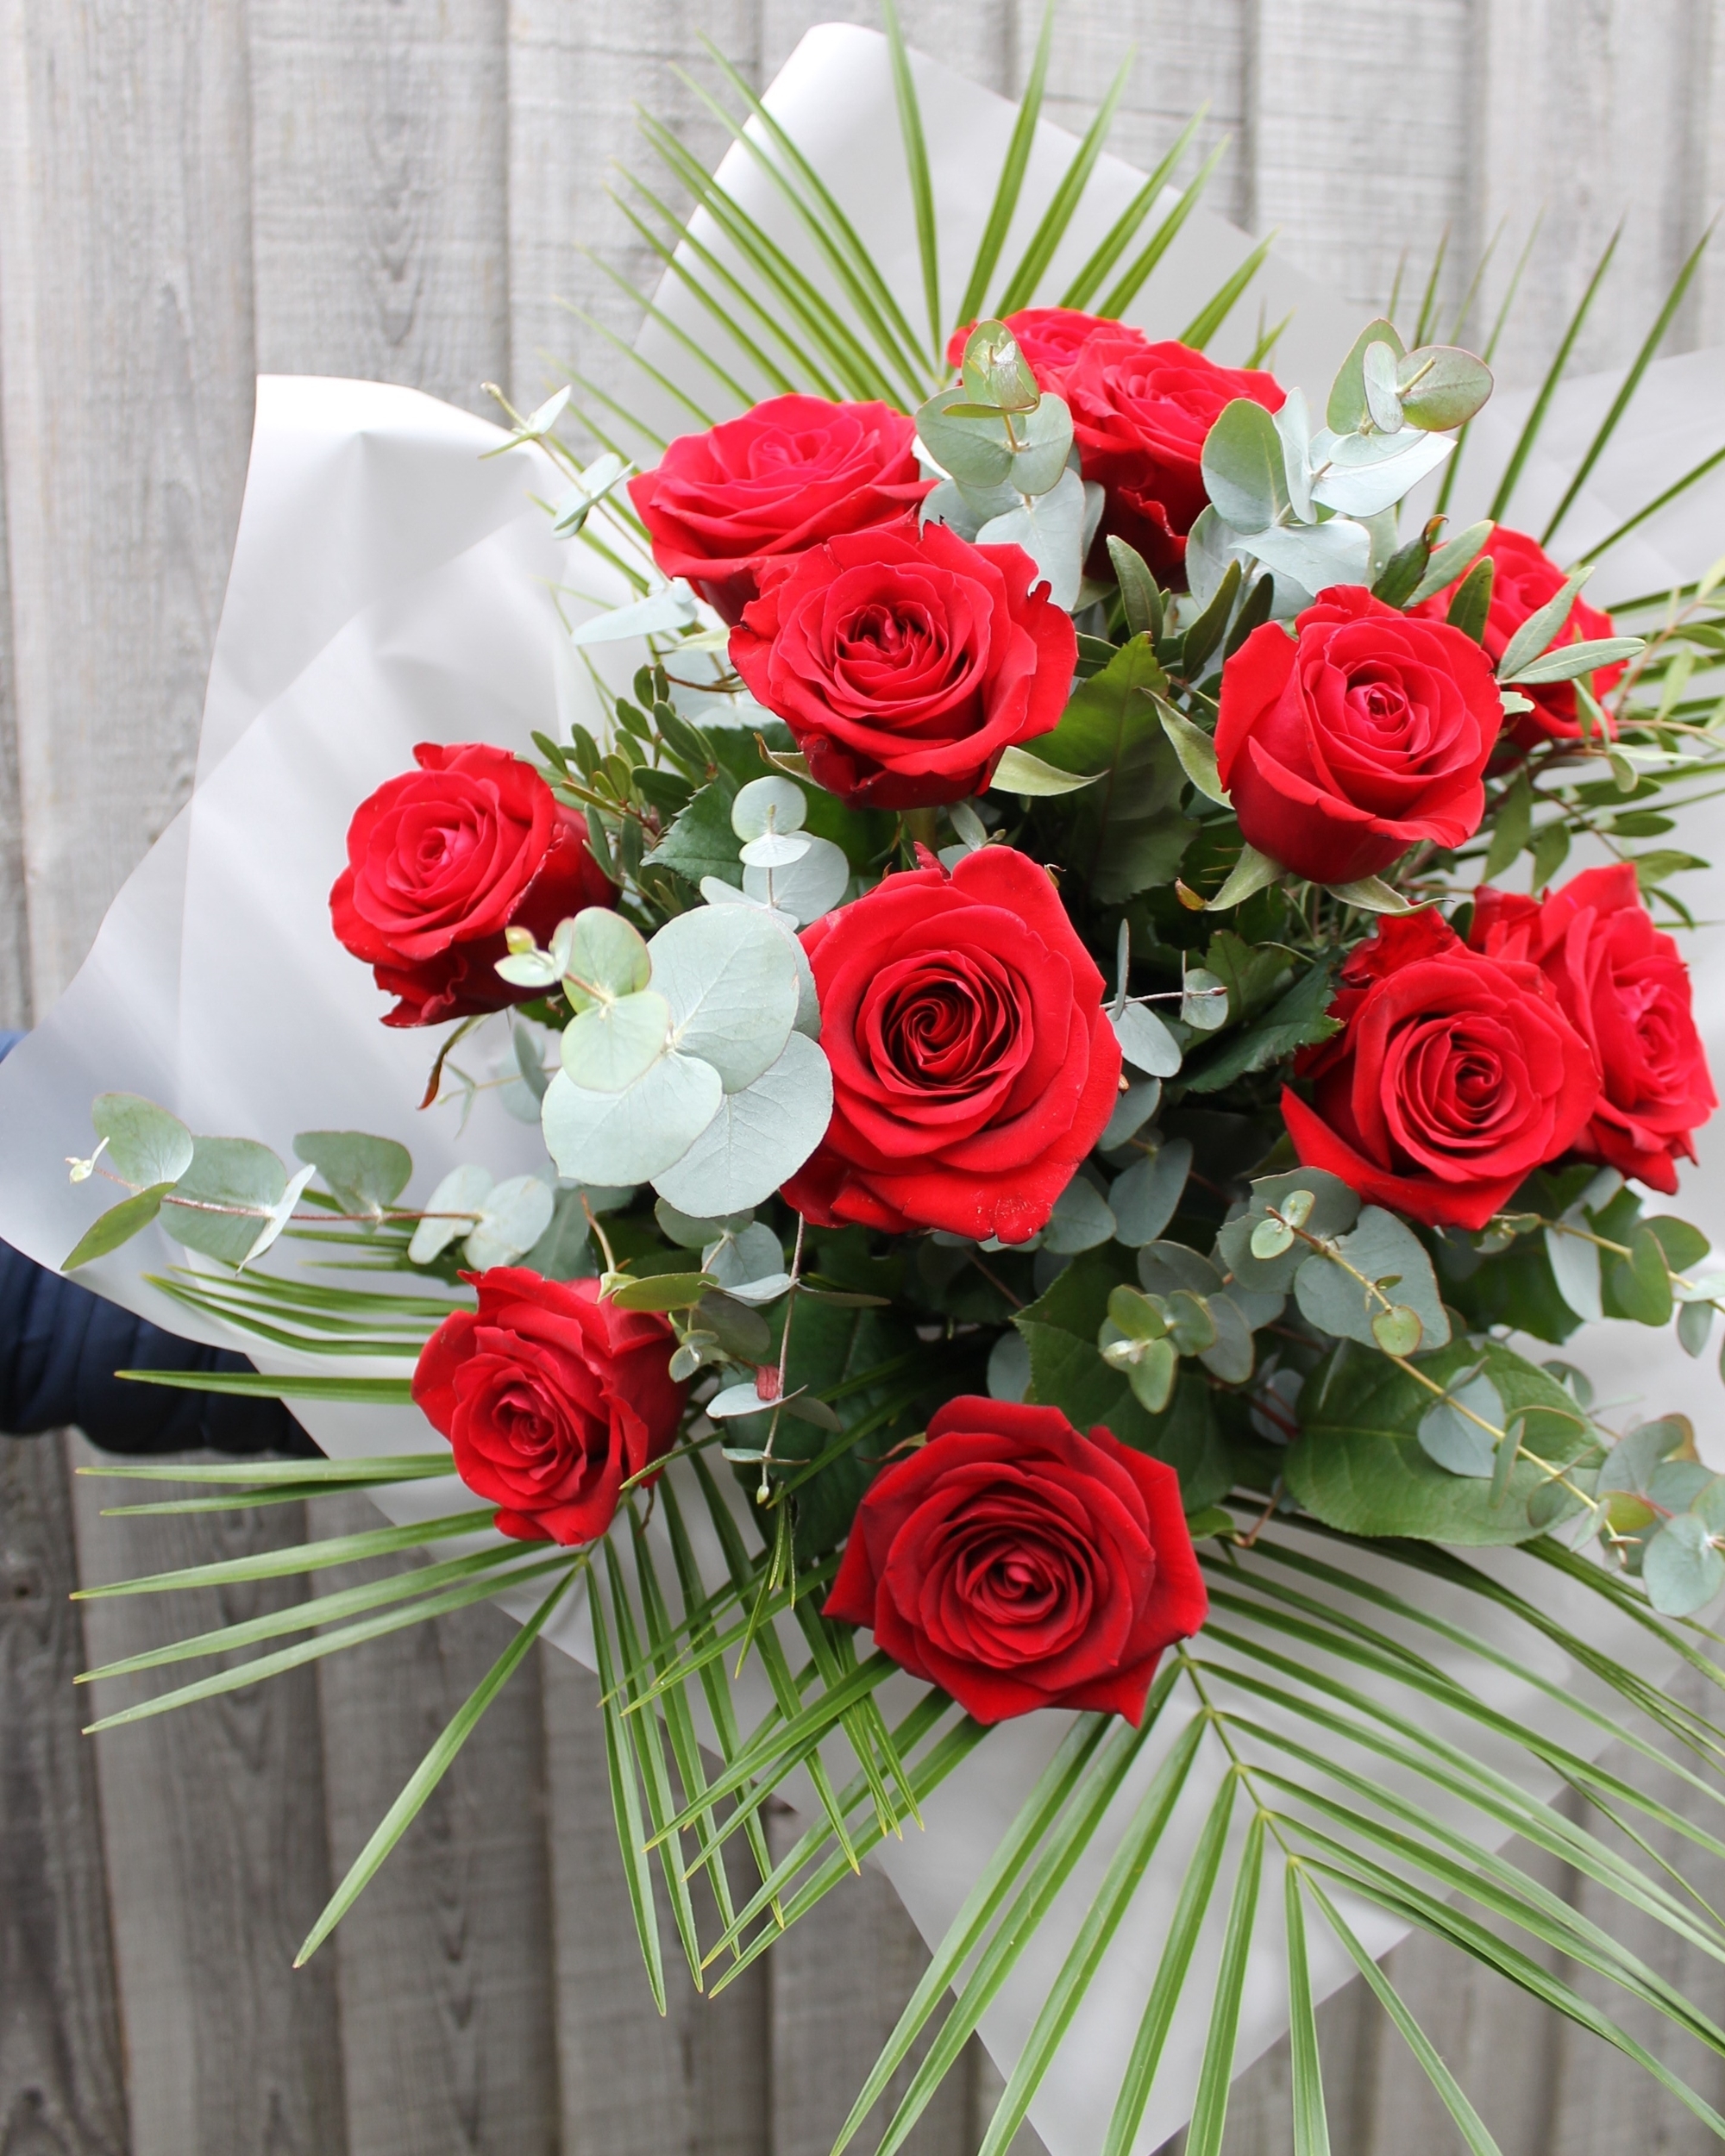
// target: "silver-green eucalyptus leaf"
[[144, 1143], [1377, 377], [1440, 386], [1244, 468], [611, 1045], [731, 986], [757, 1137], [632, 1137], [768, 805], [451, 1212], [1049, 527], [513, 1215], [1145, 1042]]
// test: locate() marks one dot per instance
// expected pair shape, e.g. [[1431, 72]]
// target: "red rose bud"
[[1525, 578], [441, 861], [793, 472], [1050, 339], [1355, 737], [550, 1399], [1140, 412], [1017, 1564], [1454, 1077], [904, 663], [973, 1065], [1623, 985]]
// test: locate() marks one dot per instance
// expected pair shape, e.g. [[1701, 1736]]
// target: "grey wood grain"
[[126, 395], [445, 1963], [693, 2084], [15, 898], [379, 188], [62, 2076], [840, 1979], [213, 1823]]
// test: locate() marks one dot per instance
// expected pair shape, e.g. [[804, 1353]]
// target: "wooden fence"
[[192, 191]]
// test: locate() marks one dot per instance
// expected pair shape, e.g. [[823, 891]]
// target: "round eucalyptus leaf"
[[611, 1045], [1049, 527], [630, 1137], [1378, 372], [224, 1198], [1145, 1042], [736, 1399], [1145, 1198], [1442, 385], [1080, 1219], [974, 452], [451, 1211], [731, 985], [1449, 1434], [753, 1253], [1681, 1569], [605, 950], [1044, 437], [363, 1173], [1246, 471], [1397, 1330], [758, 1137], [768, 805], [281, 1214], [512, 1217], [993, 369], [774, 851], [1151, 1377], [530, 969], [1370, 488], [1008, 1367], [691, 1233], [808, 887], [1204, 1000], [146, 1144]]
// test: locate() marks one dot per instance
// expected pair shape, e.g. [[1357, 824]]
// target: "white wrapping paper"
[[387, 588]]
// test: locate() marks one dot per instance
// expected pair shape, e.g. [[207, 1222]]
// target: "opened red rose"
[[441, 861], [791, 472], [1524, 579], [1018, 1565], [1454, 1077], [550, 1399], [1623, 986], [1050, 339], [973, 1065], [1355, 737], [905, 662], [1140, 412]]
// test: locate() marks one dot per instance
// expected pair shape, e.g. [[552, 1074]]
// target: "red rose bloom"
[[1621, 984], [791, 472], [1454, 1077], [1050, 338], [550, 1399], [1525, 578], [1362, 733], [1017, 1564], [1140, 412], [973, 1065], [905, 662], [441, 861]]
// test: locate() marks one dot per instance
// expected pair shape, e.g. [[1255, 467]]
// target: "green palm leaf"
[[1011, 182]]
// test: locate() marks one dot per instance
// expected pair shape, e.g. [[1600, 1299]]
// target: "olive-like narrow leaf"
[[432, 1769]]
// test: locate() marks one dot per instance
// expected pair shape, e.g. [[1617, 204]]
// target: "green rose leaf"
[[117, 1225], [1359, 1465]]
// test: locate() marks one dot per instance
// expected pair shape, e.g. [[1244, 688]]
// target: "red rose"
[[973, 1066], [791, 472], [1621, 984], [1050, 338], [1525, 578], [1017, 1564], [1454, 1077], [441, 861], [550, 1399], [905, 662], [1140, 412], [1355, 737]]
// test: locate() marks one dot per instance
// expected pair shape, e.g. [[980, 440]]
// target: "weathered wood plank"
[[15, 904], [694, 2083], [380, 191], [980, 37], [840, 1977], [1586, 113], [1353, 180], [62, 2075], [126, 394], [576, 76], [212, 1818], [444, 1964]]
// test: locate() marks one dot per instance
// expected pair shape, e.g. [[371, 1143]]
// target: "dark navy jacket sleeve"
[[60, 1346]]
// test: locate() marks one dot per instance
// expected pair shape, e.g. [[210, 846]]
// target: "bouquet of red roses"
[[1062, 1155]]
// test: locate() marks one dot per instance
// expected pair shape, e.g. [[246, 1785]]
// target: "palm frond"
[[916, 164], [1548, 388], [1011, 182], [1062, 206]]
